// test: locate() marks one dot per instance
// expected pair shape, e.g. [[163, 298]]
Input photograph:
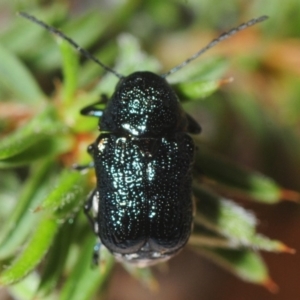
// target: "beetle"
[[142, 208]]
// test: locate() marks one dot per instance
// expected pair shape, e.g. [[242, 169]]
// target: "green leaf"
[[245, 264], [198, 88], [231, 221], [70, 191], [200, 80], [33, 253], [223, 171], [26, 288], [84, 281], [9, 184], [42, 148], [56, 260], [70, 71], [17, 79], [46, 55], [262, 242], [20, 36], [42, 126], [90, 72], [210, 69], [204, 237], [224, 216], [22, 220]]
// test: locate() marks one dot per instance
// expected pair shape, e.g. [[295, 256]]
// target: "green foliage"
[[12, 71], [46, 223]]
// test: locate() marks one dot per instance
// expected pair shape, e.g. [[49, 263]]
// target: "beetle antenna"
[[216, 41], [82, 51]]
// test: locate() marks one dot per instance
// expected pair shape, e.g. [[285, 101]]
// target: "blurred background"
[[254, 120]]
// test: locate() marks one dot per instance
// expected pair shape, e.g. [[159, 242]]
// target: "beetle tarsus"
[[94, 111], [77, 167], [96, 254]]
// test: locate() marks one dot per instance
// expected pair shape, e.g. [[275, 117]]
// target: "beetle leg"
[[77, 167], [88, 207], [94, 111], [96, 254], [193, 126], [104, 99], [90, 165]]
